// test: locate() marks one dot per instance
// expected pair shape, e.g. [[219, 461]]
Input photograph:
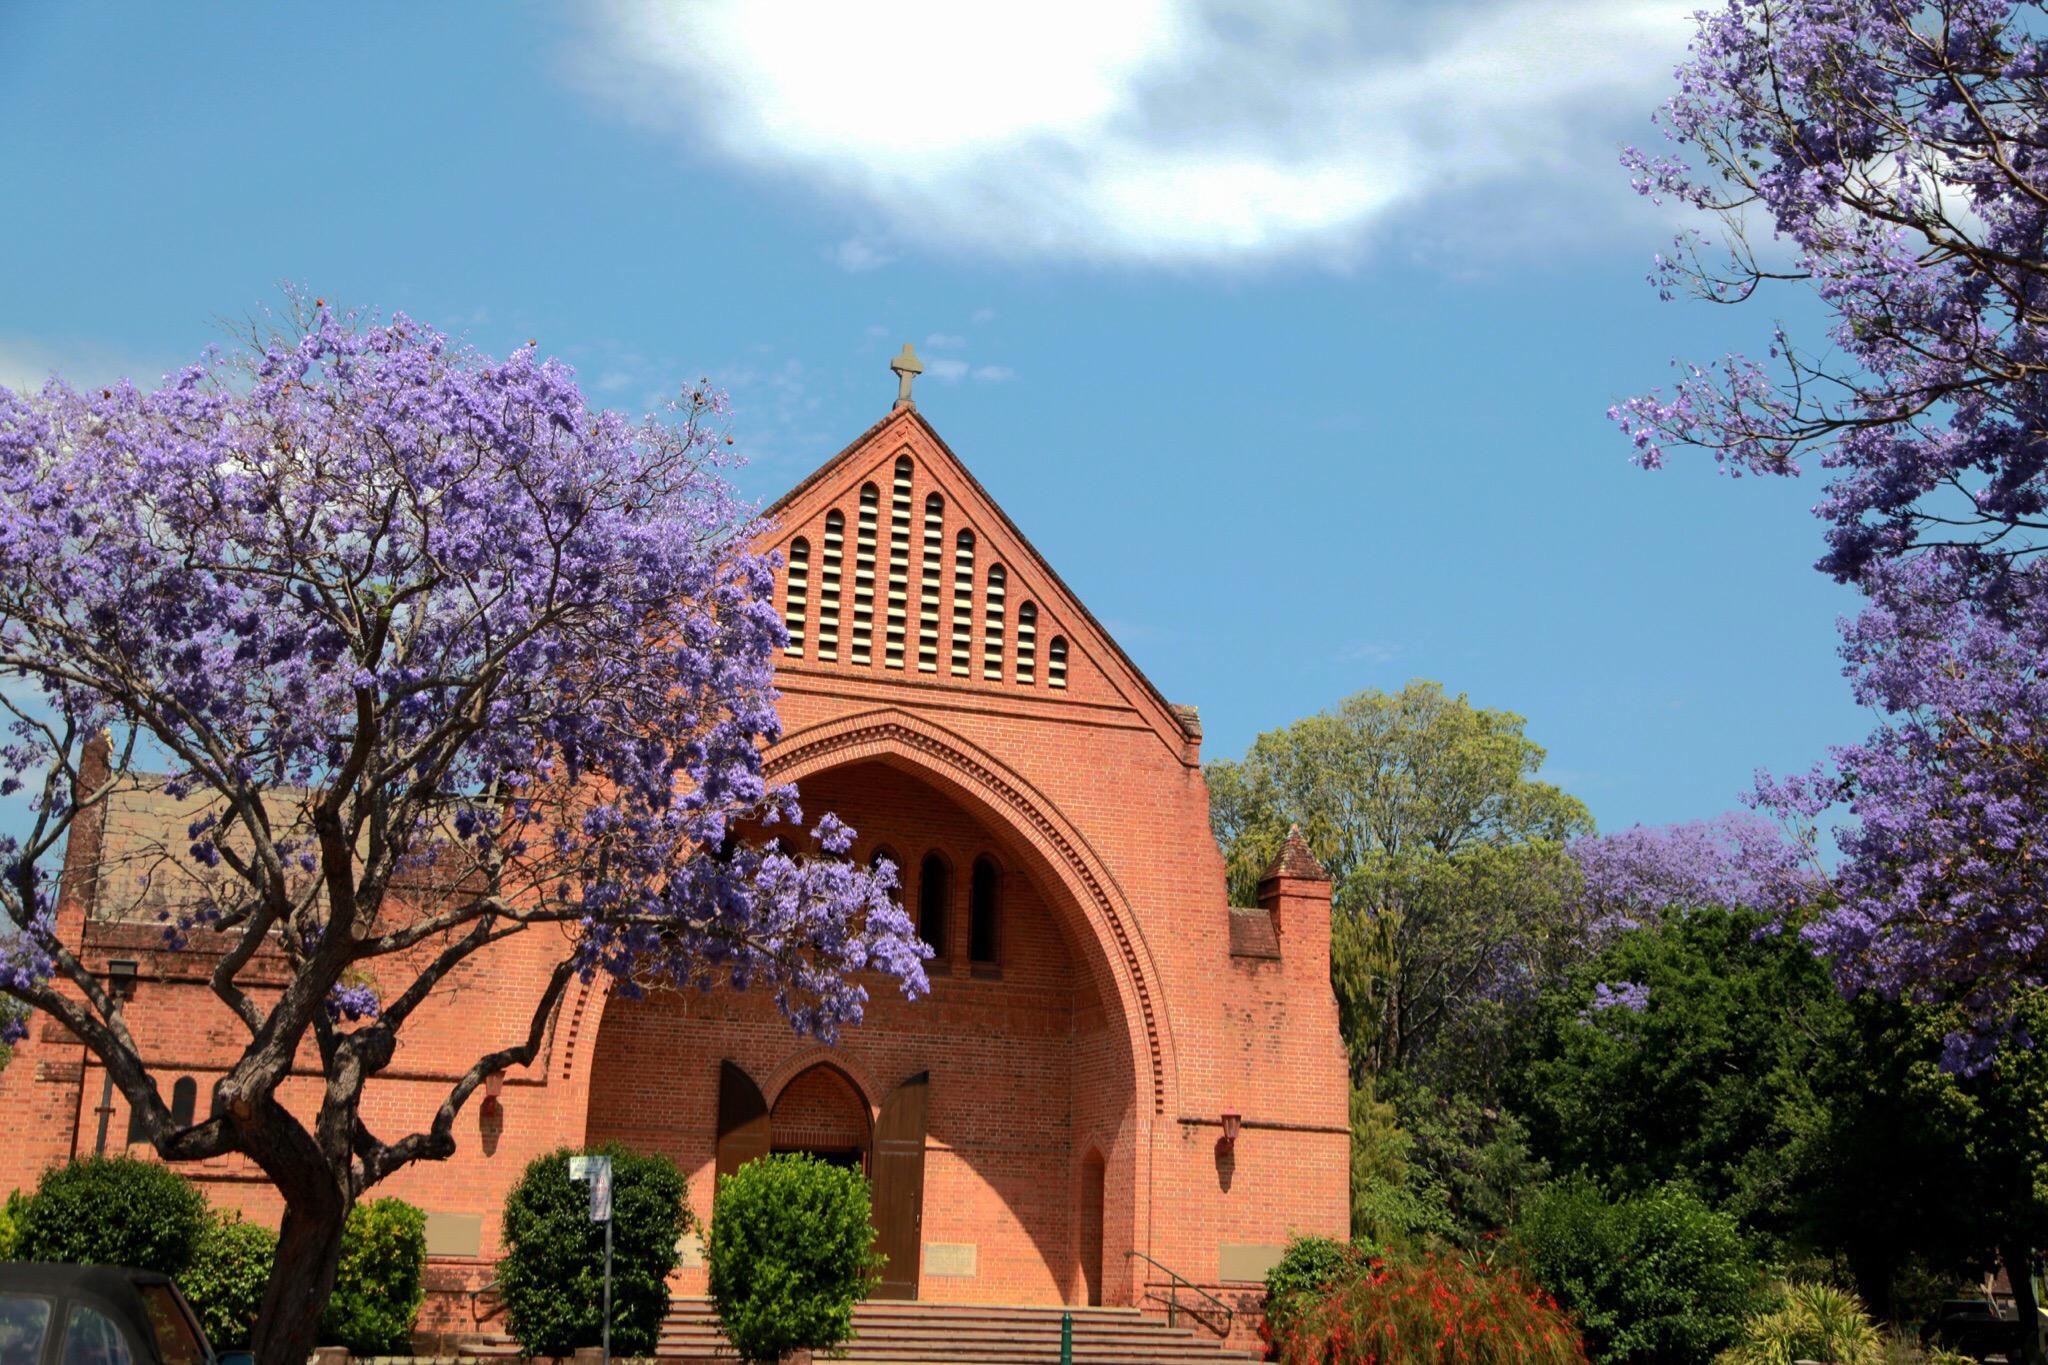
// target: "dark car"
[[1974, 1328], [96, 1315]]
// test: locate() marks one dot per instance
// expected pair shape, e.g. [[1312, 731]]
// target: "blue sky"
[[1285, 330]]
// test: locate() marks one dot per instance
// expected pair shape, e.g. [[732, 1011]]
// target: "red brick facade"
[[1096, 1012]]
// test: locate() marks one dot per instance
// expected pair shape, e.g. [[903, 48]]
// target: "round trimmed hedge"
[[225, 1278], [552, 1276], [380, 1284], [113, 1210], [792, 1251]]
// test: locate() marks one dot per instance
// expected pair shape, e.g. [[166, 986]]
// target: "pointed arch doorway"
[[822, 1112]]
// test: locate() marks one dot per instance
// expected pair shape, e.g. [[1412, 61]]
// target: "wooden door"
[[899, 1186], [742, 1120]]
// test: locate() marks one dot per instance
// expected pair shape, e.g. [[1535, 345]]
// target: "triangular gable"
[[879, 581]]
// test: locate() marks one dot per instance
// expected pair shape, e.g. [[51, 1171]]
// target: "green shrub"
[[1809, 1322], [552, 1275], [1309, 1267], [225, 1278], [791, 1253], [113, 1210], [11, 1214], [1659, 1278], [378, 1288], [1436, 1309]]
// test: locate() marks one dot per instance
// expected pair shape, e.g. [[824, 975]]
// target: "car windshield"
[[177, 1341], [24, 1322]]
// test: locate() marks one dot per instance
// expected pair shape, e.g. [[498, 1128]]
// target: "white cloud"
[[944, 341], [857, 255], [951, 370], [983, 315], [1159, 131]]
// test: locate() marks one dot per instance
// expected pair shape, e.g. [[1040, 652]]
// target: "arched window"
[[934, 899], [796, 595], [992, 625], [899, 565], [983, 910], [1056, 662], [928, 584], [828, 589], [184, 1099], [864, 575], [963, 603], [135, 1133], [1027, 643]]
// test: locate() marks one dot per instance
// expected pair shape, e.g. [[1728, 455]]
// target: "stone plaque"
[[952, 1259], [1240, 1262], [454, 1234]]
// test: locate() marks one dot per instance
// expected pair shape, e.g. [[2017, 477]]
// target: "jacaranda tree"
[[1898, 155], [439, 655]]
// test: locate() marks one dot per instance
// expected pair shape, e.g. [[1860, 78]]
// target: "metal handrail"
[[1174, 1281]]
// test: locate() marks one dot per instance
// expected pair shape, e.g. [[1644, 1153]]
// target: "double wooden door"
[[746, 1130]]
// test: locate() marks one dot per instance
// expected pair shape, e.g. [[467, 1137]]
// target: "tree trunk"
[[2019, 1269], [302, 1277]]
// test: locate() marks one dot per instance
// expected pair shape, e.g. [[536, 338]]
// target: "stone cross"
[[907, 368]]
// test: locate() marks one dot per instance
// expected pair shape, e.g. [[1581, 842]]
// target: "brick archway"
[[900, 739], [896, 737]]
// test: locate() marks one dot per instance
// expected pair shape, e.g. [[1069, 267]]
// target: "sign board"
[[598, 1171]]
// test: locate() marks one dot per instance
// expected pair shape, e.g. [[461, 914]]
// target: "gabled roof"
[[1181, 719]]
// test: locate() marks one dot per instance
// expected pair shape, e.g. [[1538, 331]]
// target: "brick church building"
[[1112, 1059]]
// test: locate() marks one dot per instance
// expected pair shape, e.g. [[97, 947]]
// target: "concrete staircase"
[[956, 1334]]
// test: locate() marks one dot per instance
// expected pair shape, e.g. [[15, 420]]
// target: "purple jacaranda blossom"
[[1888, 159], [442, 655], [1881, 156], [1941, 885], [1632, 996], [351, 1001], [1632, 876]]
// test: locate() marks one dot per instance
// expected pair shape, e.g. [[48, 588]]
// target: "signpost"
[[598, 1171]]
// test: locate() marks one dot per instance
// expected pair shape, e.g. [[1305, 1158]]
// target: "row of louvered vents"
[[860, 621]]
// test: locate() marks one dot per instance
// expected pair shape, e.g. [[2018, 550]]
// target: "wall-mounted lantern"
[[494, 1086], [1232, 1122], [121, 975]]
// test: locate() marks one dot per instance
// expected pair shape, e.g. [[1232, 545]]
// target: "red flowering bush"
[[1437, 1310]]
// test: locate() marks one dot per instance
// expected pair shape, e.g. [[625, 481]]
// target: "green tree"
[[1445, 853], [113, 1210], [1746, 1074], [551, 1276], [225, 1279], [1659, 1278], [1711, 1081], [380, 1285], [792, 1251]]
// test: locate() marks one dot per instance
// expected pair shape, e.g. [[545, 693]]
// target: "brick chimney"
[[1295, 892]]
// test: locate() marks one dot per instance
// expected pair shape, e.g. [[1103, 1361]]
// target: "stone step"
[[900, 1333]]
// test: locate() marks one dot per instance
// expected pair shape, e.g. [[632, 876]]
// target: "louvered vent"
[[1056, 662], [963, 604], [1027, 643], [899, 565], [992, 625], [864, 576], [828, 588], [928, 584], [796, 595]]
